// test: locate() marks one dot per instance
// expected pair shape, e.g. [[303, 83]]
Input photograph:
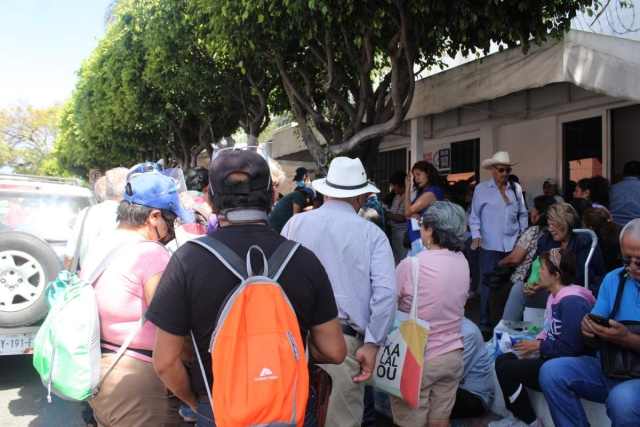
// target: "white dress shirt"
[[359, 262]]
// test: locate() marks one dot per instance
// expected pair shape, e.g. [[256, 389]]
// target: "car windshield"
[[48, 216]]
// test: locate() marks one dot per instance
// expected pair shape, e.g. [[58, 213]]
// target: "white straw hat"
[[500, 158], [346, 178]]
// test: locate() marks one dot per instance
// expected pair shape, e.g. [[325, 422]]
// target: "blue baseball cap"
[[157, 191]]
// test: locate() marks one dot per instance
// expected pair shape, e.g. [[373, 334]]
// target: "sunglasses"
[[627, 261], [503, 170], [145, 168]]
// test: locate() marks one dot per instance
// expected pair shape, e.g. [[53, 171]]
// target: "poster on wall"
[[444, 156], [428, 156]]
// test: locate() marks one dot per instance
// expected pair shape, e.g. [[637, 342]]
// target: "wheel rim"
[[22, 280]]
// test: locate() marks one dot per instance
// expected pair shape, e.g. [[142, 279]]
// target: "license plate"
[[17, 343]]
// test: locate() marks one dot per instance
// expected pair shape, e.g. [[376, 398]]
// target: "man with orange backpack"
[[249, 319]]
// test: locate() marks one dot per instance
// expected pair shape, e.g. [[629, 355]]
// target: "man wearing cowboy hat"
[[360, 266], [498, 217]]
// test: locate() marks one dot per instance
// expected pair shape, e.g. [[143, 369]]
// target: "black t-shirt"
[[195, 284]]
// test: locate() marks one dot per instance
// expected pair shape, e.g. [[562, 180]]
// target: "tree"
[[348, 67], [27, 135]]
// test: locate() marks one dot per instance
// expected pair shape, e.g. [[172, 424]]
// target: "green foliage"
[[27, 135]]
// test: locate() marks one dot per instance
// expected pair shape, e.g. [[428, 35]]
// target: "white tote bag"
[[398, 369]]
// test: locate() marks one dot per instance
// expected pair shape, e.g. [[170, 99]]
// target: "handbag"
[[398, 368], [406, 243], [619, 362], [497, 278]]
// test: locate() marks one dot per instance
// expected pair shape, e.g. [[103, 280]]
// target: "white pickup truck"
[[36, 219]]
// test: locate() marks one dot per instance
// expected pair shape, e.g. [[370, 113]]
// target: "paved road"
[[23, 398]]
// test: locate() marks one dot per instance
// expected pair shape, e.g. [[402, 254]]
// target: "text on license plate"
[[17, 343]]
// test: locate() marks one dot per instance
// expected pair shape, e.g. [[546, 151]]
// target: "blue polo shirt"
[[630, 302]]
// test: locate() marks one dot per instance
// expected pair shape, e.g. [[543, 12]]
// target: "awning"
[[602, 64]]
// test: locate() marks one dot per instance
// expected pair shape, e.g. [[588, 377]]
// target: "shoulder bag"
[[619, 362]]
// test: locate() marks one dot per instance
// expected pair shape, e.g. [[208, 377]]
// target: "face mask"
[[301, 184]]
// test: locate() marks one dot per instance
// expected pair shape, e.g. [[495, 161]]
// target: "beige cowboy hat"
[[346, 178], [500, 158]]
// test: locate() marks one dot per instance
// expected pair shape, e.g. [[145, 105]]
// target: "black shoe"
[[487, 335]]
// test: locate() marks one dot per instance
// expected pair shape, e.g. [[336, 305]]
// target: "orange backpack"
[[260, 374]]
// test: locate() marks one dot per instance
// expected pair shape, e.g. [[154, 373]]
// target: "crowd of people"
[[350, 276]]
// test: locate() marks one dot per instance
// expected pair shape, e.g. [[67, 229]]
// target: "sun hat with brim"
[[154, 190], [346, 178], [500, 158]]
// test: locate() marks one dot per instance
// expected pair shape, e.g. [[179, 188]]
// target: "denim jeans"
[[488, 262], [518, 300], [204, 416], [567, 379]]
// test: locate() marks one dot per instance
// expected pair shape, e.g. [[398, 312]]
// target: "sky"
[[43, 44]]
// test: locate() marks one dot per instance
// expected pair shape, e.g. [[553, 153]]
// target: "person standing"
[[359, 262], [395, 215], [624, 197], [498, 217], [290, 205], [550, 188], [100, 219], [185, 300], [425, 183]]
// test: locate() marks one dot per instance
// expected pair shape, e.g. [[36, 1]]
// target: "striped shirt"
[[359, 262]]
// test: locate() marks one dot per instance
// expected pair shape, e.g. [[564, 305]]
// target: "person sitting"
[[425, 183], [562, 220], [608, 233], [550, 188], [443, 283], [475, 391], [565, 380], [521, 257], [566, 307]]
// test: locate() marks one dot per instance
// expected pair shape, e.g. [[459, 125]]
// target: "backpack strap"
[[280, 258], [227, 257], [120, 353], [616, 304]]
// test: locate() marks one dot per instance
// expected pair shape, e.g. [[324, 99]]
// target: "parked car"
[[36, 220]]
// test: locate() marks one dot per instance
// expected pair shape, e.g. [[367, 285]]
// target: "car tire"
[[27, 264]]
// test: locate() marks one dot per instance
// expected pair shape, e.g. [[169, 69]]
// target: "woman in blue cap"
[[132, 394]]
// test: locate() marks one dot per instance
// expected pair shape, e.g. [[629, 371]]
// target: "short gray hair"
[[632, 228], [448, 222], [116, 180]]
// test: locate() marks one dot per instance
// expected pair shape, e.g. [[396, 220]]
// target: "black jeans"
[[87, 414], [468, 405], [204, 416], [514, 375]]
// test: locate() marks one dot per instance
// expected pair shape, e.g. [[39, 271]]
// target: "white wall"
[[533, 144]]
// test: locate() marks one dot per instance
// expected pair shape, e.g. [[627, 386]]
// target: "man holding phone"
[[565, 380]]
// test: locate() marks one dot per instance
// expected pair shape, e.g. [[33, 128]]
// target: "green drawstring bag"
[[535, 274]]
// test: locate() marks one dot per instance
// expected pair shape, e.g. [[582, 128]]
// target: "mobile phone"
[[600, 320]]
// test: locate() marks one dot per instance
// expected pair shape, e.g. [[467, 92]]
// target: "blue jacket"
[[579, 244]]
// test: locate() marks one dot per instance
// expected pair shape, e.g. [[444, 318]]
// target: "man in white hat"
[[359, 262], [550, 188], [498, 217]]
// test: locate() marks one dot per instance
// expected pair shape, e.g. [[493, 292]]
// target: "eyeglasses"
[[553, 226], [145, 168], [503, 170], [627, 261]]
